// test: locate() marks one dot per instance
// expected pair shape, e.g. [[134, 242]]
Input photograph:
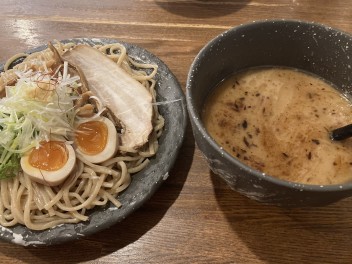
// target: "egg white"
[[51, 178], [111, 145]]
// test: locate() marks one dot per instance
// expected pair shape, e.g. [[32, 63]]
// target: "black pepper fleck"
[[246, 142], [309, 155], [244, 124], [243, 150], [316, 141]]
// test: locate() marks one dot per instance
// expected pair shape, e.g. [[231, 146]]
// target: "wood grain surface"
[[194, 217]]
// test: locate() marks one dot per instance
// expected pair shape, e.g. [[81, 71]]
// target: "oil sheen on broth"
[[276, 120]]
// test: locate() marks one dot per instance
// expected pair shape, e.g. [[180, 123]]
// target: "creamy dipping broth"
[[277, 120]]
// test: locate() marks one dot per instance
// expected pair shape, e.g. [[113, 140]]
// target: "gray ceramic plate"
[[144, 183]]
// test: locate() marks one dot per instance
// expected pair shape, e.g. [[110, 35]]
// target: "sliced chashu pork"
[[128, 99]]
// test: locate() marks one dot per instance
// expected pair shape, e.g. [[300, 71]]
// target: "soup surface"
[[277, 120]]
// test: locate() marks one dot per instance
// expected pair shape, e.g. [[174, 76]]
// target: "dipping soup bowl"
[[310, 47]]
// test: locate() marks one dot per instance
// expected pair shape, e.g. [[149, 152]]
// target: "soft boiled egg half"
[[96, 139], [50, 163]]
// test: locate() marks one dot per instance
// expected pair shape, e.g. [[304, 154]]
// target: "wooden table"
[[194, 217]]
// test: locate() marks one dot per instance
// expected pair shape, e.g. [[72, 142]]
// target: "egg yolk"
[[50, 156], [92, 137]]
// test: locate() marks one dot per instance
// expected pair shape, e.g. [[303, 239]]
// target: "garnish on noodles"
[[75, 123]]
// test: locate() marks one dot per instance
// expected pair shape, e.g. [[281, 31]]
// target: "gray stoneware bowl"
[[144, 183], [311, 47]]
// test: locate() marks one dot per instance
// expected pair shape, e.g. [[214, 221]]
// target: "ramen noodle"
[[40, 204]]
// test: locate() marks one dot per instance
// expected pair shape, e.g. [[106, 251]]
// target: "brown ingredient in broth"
[[276, 120]]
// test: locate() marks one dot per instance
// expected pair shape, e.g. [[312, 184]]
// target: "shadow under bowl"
[[310, 47]]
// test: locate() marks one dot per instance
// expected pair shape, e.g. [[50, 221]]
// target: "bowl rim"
[[196, 119]]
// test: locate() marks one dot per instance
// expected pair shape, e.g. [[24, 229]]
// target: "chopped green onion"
[[35, 109]]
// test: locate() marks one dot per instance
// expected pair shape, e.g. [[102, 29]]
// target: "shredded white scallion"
[[36, 108]]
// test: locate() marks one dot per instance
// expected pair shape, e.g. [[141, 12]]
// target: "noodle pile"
[[40, 207]]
